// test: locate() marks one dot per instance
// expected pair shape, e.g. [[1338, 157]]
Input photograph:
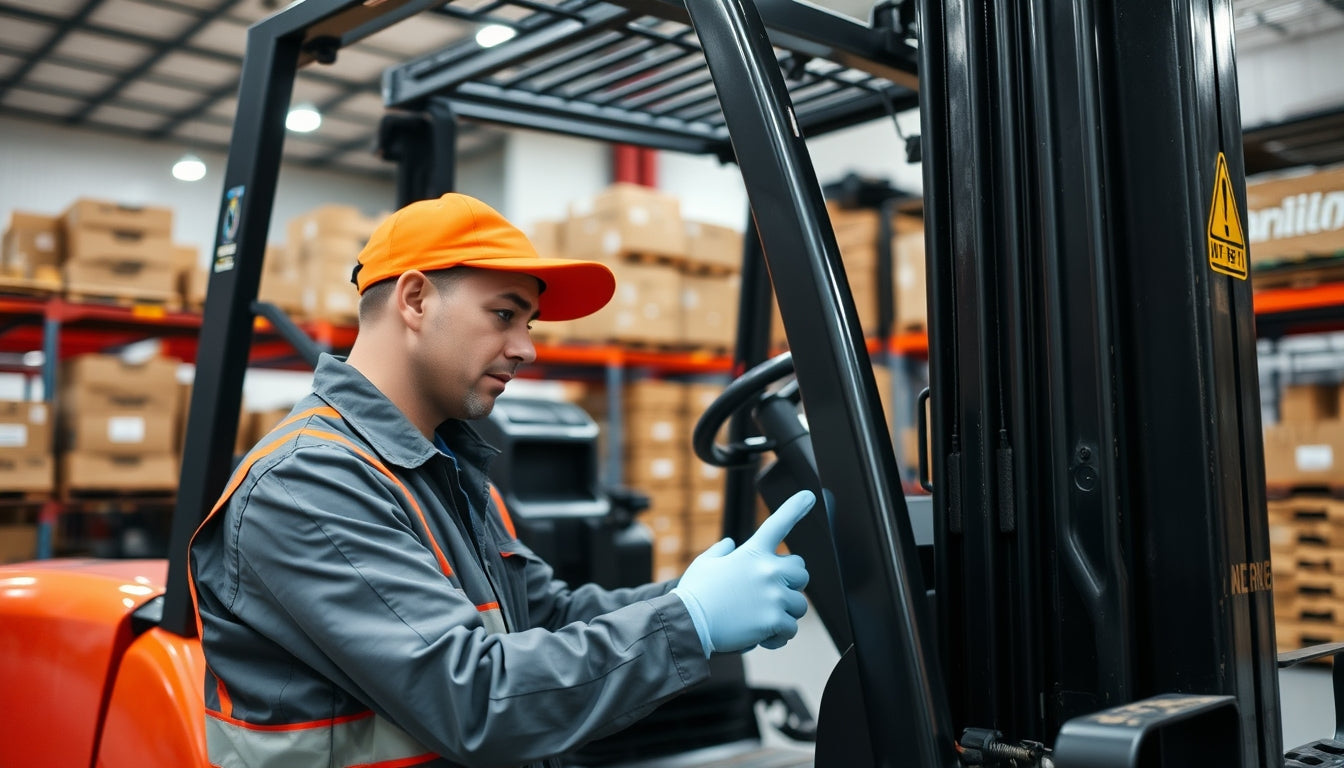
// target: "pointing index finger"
[[772, 532]]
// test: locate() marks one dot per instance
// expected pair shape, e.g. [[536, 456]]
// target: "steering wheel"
[[748, 390]]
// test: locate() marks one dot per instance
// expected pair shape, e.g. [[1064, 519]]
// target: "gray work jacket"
[[351, 613]]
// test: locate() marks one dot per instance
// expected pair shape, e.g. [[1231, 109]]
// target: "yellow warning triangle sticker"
[[1227, 241]]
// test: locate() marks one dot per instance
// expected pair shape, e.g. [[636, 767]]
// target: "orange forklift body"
[[81, 683]]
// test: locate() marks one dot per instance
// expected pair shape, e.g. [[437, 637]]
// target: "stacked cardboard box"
[[322, 250], [119, 252], [18, 534], [31, 258], [638, 232], [281, 283], [655, 463], [856, 235], [118, 425], [1306, 447], [26, 464], [705, 482]]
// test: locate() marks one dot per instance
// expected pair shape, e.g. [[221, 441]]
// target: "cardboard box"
[[703, 530], [910, 293], [707, 502], [87, 213], [668, 566], [705, 477], [27, 473], [92, 383], [335, 301], [285, 290], [123, 278], [340, 222], [25, 429], [655, 467], [855, 228], [645, 309], [625, 219], [327, 293], [713, 245], [651, 428], [709, 310], [657, 395], [1308, 403], [122, 432], [18, 543], [1304, 454], [82, 471], [1293, 216], [32, 246], [667, 526], [259, 426], [104, 245], [548, 237]]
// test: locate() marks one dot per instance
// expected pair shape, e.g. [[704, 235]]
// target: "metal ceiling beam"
[[115, 33], [95, 67], [164, 48], [63, 27]]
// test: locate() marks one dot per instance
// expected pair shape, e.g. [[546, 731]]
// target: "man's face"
[[476, 337]]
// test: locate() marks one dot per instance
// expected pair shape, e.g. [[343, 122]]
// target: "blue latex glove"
[[746, 596]]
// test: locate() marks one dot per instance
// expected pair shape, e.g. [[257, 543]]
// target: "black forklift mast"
[[1093, 367], [1102, 551]]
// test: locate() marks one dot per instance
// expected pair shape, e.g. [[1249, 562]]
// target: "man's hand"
[[746, 596]]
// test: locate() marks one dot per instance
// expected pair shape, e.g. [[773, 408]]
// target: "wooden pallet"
[[1277, 492], [1293, 635], [167, 301], [90, 496], [15, 285], [1312, 610], [1319, 561]]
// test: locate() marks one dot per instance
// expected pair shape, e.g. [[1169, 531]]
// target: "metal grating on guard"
[[607, 72]]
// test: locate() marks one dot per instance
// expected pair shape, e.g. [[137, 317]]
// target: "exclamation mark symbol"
[[1227, 231]]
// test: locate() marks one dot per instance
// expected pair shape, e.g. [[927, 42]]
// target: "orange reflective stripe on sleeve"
[[503, 510], [378, 465]]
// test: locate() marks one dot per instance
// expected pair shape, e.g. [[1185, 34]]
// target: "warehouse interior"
[[116, 122]]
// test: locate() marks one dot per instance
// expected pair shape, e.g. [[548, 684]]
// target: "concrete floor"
[[1306, 695]]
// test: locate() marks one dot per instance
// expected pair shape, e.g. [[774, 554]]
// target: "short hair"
[[376, 296]]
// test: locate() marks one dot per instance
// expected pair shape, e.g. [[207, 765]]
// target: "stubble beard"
[[476, 407]]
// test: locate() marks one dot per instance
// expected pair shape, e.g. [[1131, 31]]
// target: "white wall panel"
[[544, 172], [1299, 76]]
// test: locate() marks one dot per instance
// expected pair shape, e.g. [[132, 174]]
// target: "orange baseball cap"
[[460, 231]]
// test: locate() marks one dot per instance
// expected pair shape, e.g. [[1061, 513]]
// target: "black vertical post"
[[900, 678], [1102, 536], [269, 67], [751, 348]]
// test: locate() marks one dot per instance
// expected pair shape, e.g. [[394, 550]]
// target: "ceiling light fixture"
[[189, 168], [493, 34], [303, 119]]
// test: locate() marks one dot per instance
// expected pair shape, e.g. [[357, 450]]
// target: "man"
[[361, 596]]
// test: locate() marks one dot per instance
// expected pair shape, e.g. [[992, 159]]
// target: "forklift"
[[1099, 588]]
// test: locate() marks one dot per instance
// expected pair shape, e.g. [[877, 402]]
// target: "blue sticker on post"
[[228, 229]]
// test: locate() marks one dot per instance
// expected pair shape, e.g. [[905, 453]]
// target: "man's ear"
[[411, 296]]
